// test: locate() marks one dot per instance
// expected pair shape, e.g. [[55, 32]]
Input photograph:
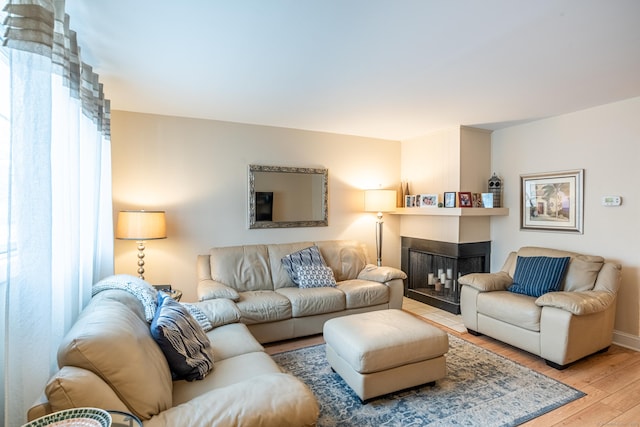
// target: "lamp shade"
[[141, 225], [380, 200]]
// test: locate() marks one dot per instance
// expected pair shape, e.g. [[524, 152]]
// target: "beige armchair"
[[561, 326]]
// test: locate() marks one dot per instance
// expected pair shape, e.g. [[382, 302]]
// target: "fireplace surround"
[[426, 261]]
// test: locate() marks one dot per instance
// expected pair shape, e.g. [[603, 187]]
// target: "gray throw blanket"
[[145, 293]]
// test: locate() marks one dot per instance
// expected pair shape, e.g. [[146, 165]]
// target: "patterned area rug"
[[481, 389]]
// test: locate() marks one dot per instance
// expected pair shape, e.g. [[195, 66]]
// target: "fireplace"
[[433, 269]]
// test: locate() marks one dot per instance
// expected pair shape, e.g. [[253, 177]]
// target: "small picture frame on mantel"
[[464, 199], [450, 199]]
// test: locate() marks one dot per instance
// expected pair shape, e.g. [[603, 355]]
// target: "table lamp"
[[379, 201], [141, 226]]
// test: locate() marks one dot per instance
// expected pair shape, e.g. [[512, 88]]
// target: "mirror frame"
[[287, 224]]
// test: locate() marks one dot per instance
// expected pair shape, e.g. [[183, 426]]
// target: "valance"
[[42, 27]]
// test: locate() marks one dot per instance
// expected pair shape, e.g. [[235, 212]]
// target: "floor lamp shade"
[[379, 201], [141, 226]]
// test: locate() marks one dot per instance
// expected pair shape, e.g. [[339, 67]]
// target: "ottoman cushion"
[[380, 340]]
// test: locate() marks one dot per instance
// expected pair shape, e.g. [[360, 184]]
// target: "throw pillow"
[[306, 256], [315, 276], [182, 340], [537, 275]]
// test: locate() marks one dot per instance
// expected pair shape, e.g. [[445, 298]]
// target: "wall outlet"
[[611, 200]]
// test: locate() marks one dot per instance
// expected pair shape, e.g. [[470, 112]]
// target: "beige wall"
[[197, 171], [604, 141]]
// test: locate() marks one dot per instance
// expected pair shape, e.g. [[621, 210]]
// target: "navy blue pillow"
[[308, 256], [182, 340], [537, 275]]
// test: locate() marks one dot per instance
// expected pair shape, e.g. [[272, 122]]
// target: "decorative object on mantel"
[[427, 200], [487, 200], [400, 196], [140, 226], [495, 188], [379, 201], [450, 199], [464, 199]]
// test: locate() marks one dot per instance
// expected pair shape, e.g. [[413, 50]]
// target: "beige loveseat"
[[274, 307], [561, 326], [110, 360]]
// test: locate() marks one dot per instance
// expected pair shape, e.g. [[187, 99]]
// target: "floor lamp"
[[379, 201], [141, 226]]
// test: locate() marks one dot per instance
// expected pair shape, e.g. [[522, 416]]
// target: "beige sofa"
[[561, 326], [274, 308], [109, 360]]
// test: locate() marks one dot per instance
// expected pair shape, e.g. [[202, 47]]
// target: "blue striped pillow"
[[537, 275]]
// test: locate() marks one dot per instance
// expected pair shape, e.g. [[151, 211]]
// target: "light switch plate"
[[611, 200]]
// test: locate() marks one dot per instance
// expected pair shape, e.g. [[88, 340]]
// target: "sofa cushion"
[[232, 340], [535, 276], [364, 293], [582, 273], [219, 312], [244, 268], [73, 387], [263, 306], [182, 340], [305, 257], [515, 309], [114, 343], [314, 276], [312, 301], [347, 258]]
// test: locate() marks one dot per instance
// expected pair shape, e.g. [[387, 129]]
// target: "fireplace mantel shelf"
[[452, 211]]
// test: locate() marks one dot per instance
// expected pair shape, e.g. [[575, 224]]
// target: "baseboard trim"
[[626, 340]]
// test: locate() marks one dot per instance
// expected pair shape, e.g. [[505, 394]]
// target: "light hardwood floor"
[[611, 380]]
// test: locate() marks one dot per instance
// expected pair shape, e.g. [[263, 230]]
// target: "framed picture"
[[464, 199], [476, 200], [409, 201], [427, 200], [487, 200], [552, 201], [450, 199]]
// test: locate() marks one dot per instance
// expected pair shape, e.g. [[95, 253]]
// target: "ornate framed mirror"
[[282, 197]]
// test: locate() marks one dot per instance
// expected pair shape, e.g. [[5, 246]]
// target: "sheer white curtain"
[[57, 231]]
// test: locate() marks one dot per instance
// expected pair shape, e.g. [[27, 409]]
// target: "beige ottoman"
[[383, 351]]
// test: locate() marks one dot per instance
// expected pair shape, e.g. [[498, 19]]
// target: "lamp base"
[[141, 260]]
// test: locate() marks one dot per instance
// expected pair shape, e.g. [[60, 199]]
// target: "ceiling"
[[376, 68]]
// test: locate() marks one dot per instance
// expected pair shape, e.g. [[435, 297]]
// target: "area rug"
[[481, 389]]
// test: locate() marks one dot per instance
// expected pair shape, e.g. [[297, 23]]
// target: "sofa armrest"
[[219, 311], [486, 282], [210, 289], [276, 399], [578, 303], [381, 274]]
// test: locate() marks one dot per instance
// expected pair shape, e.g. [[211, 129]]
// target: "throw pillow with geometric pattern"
[[315, 276]]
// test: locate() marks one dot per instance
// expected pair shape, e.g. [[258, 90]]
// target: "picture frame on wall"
[[450, 199], [552, 201], [464, 199], [427, 200]]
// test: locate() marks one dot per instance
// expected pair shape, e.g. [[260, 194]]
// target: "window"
[[5, 171]]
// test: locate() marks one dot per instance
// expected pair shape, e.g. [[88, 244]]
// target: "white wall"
[[196, 170], [604, 141]]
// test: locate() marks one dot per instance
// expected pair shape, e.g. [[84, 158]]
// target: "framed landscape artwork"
[[552, 201]]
